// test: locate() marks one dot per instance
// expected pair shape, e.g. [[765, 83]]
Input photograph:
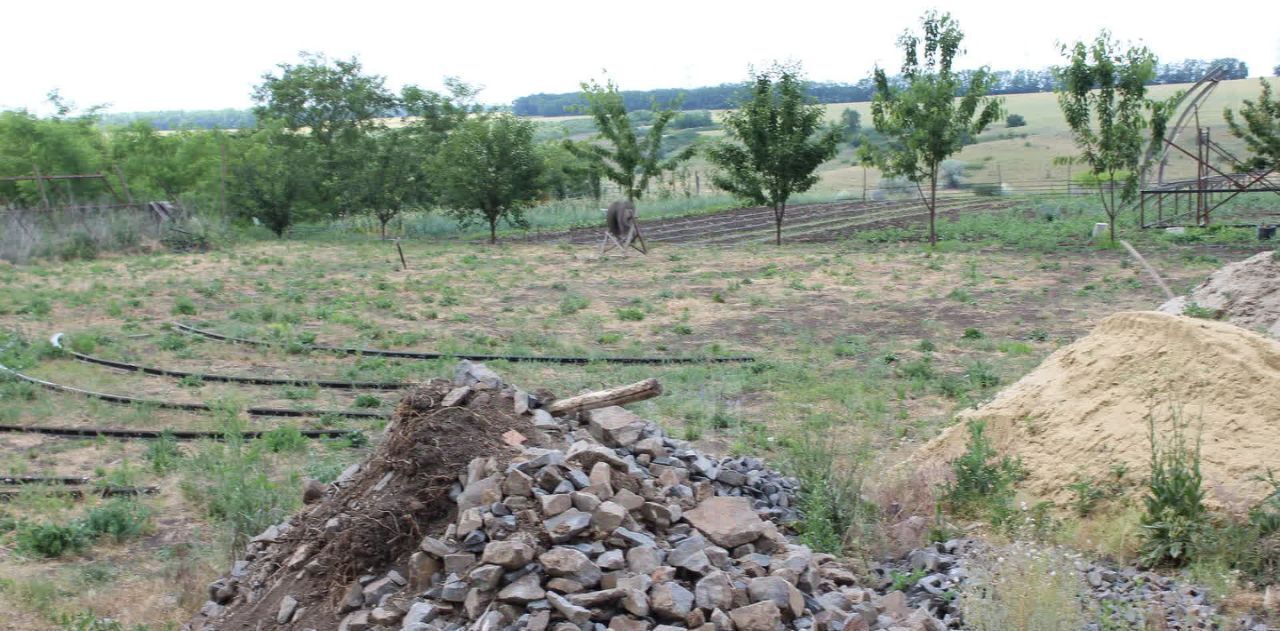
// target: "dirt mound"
[[375, 514], [1245, 293], [1085, 408]]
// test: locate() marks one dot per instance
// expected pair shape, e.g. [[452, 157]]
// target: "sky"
[[142, 56]]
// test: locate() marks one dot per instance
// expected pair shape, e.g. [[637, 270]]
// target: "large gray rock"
[[525, 589], [727, 521], [670, 600], [567, 525], [614, 426], [288, 605], [777, 589], [508, 554], [714, 591], [575, 614], [571, 564], [761, 616], [645, 559]]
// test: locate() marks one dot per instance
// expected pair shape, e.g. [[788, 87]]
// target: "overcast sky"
[[183, 55]]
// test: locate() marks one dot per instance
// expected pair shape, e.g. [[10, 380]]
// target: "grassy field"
[[867, 346]]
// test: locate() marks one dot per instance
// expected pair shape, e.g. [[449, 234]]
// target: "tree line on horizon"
[[718, 97]]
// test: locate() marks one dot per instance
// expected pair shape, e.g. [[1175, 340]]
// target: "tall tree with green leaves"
[[931, 111], [776, 143], [1103, 95], [271, 175], [621, 154], [487, 170], [334, 103], [386, 177], [1258, 125]]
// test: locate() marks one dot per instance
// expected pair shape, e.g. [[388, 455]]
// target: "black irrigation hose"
[[56, 340], [10, 480], [78, 492], [185, 328], [190, 407], [154, 434]]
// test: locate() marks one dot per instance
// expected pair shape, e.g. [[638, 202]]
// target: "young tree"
[[488, 168], [624, 157], [1259, 128], [1103, 95], [851, 120], [386, 177], [929, 113], [776, 143], [270, 177]]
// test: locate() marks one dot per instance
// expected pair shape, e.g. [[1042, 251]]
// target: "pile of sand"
[[1245, 293], [1085, 408]]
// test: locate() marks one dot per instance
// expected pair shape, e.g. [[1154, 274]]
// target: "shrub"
[[284, 438], [983, 482], [119, 518], [972, 334], [1174, 516], [630, 314], [368, 401], [573, 303], [230, 481], [51, 540], [1015, 120], [183, 305], [1193, 310], [163, 453]]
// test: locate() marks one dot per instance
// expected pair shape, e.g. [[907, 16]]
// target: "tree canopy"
[[935, 110], [776, 143], [1257, 123], [1103, 96], [622, 154], [488, 169]]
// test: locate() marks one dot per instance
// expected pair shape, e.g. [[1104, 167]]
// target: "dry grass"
[[1025, 587]]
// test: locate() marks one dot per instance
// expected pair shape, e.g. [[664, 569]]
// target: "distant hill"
[[185, 119], [725, 96], [718, 97]]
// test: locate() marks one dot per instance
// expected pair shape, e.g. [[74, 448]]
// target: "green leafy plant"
[[119, 518], [573, 303], [51, 540], [630, 314], [1174, 516], [163, 453], [983, 480], [1193, 310]]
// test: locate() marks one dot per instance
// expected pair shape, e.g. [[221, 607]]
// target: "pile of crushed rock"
[[480, 510]]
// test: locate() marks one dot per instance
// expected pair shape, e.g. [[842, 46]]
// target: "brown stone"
[[727, 521]]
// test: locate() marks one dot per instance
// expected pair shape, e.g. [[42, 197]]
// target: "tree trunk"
[[493, 229], [1113, 213], [384, 227], [933, 206], [778, 211]]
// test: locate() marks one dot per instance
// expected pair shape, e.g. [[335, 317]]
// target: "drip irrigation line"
[[80, 492], [56, 340], [11, 480], [186, 328], [155, 434], [190, 407]]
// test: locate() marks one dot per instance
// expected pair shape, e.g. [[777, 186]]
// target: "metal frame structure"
[[1191, 202]]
